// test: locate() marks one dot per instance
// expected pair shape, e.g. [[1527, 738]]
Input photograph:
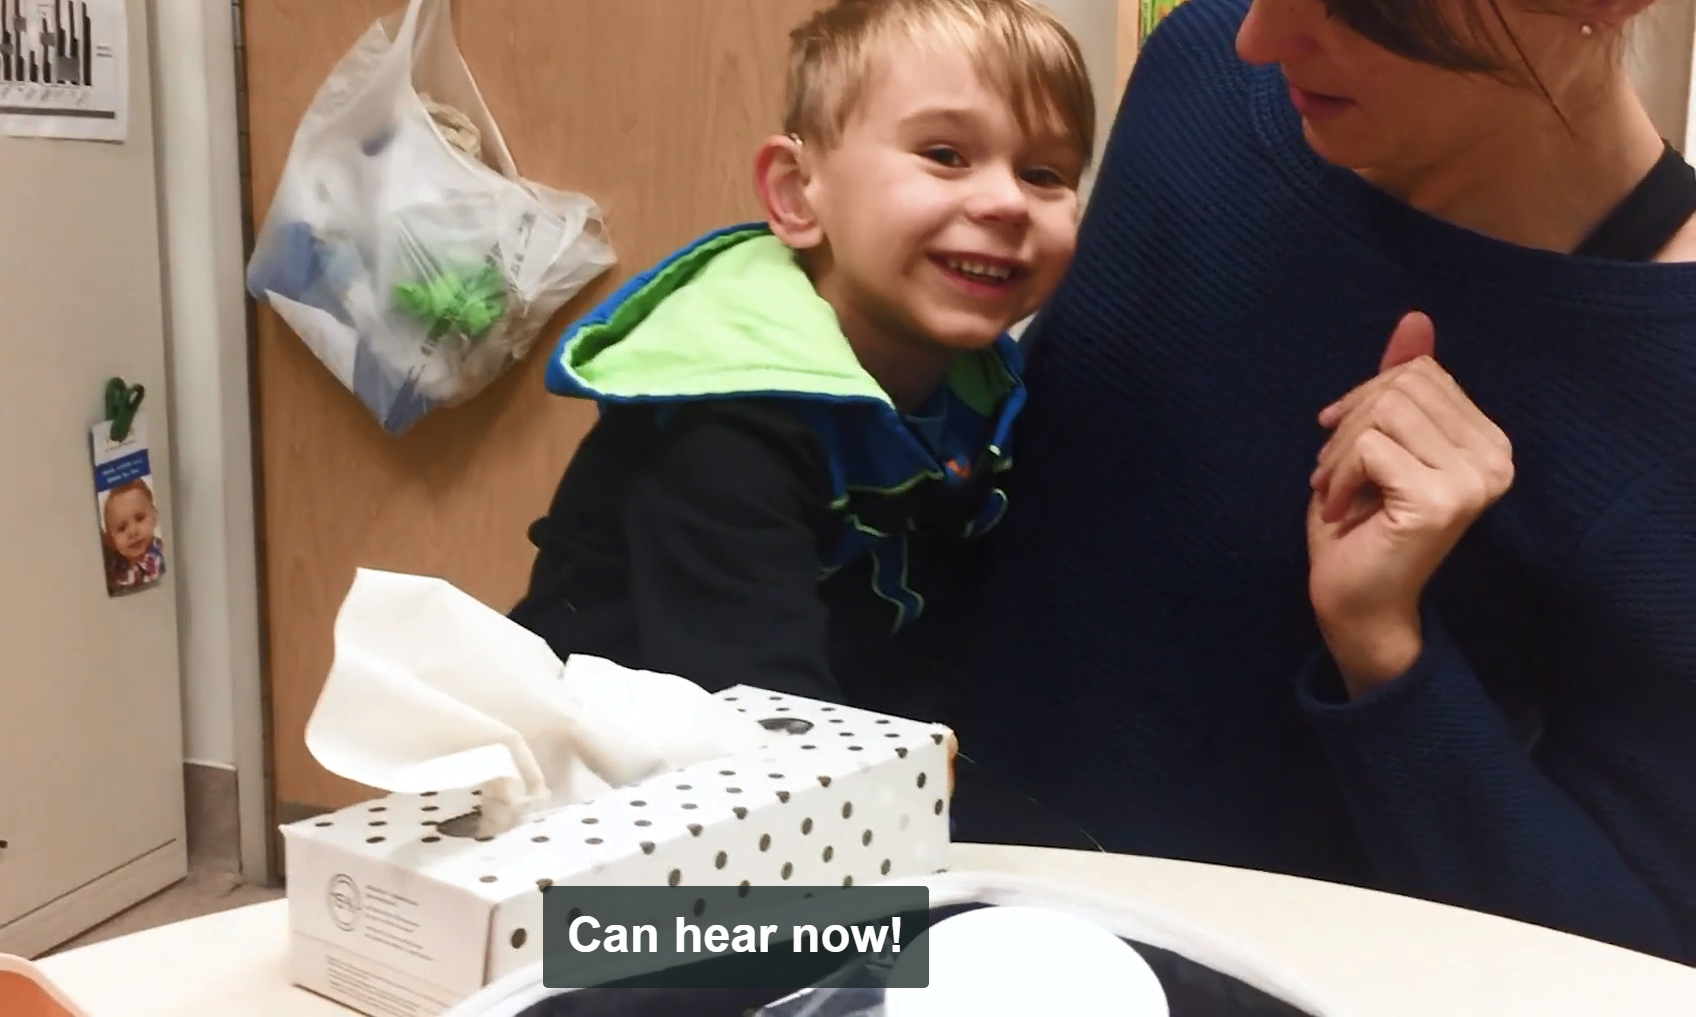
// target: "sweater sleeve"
[[723, 554], [1588, 831]]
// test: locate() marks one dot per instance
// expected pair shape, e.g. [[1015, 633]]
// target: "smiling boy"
[[802, 420]]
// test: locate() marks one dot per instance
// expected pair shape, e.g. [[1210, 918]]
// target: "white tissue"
[[432, 690]]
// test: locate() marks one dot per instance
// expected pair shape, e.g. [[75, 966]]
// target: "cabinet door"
[[91, 764]]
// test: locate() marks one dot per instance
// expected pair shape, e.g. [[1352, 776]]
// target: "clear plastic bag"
[[402, 246]]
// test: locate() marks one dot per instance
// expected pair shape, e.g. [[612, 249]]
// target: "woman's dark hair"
[[1426, 31]]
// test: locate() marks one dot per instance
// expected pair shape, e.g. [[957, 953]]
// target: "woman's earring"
[[1587, 29]]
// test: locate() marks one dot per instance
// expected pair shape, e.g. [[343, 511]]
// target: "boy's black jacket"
[[750, 508]]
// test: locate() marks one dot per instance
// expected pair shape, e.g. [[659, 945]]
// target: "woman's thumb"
[[1413, 338]]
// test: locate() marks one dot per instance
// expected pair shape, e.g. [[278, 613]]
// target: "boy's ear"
[[780, 181]]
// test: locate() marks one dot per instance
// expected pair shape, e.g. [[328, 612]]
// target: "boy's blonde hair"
[[1021, 50]]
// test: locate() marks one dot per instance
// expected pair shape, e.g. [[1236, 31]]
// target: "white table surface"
[[1374, 954]]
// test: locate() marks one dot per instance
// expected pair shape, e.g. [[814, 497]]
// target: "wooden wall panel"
[[650, 106]]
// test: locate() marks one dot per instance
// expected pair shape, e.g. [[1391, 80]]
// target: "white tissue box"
[[395, 917]]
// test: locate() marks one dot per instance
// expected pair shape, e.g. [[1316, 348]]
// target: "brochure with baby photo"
[[132, 543]]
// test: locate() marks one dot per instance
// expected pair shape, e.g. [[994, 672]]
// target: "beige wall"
[[1095, 23], [1659, 57], [91, 777]]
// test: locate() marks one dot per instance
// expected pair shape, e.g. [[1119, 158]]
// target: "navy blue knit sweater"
[[1147, 605]]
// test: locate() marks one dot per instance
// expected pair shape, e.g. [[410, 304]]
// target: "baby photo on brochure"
[[131, 539]]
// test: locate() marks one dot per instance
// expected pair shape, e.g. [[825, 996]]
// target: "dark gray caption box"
[[711, 937]]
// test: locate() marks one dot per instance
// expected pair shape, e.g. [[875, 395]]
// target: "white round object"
[[1028, 960]]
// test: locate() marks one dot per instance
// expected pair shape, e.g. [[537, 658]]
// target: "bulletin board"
[[652, 108]]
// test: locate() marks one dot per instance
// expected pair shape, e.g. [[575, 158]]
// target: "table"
[[1377, 955]]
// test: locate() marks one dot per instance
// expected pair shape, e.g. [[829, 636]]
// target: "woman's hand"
[[1410, 464]]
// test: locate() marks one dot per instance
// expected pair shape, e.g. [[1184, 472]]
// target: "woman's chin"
[[1335, 147]]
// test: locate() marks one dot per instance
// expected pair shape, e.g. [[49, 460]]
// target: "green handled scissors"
[[122, 402]]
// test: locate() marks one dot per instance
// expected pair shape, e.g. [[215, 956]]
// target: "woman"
[[1294, 579]]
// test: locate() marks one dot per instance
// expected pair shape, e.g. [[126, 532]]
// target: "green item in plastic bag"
[[467, 303]]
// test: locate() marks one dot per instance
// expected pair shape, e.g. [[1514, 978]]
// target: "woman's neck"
[[1544, 184]]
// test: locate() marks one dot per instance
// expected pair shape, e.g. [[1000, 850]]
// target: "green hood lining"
[[736, 315]]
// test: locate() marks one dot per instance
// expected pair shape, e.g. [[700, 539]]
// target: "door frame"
[[201, 122]]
